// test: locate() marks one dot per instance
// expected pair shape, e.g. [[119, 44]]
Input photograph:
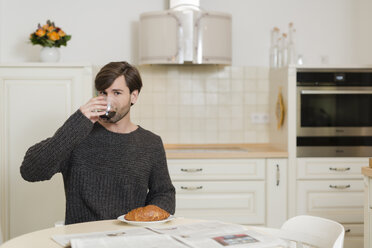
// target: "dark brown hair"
[[107, 75]]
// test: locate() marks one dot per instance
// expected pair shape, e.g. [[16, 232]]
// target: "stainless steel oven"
[[334, 113]]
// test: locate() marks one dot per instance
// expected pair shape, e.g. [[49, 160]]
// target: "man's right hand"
[[94, 108]]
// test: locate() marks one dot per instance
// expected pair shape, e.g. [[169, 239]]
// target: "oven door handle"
[[320, 92]]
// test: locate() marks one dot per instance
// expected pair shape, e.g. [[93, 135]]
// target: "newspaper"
[[208, 234], [64, 240], [148, 241], [215, 234], [246, 238]]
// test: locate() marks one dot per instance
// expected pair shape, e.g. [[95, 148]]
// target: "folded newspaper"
[[208, 234]]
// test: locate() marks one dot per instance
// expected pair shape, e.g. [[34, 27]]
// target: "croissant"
[[148, 213]]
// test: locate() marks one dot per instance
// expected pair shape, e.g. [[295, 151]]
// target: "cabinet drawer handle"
[[347, 230], [191, 188], [191, 170], [339, 186], [339, 169], [277, 175]]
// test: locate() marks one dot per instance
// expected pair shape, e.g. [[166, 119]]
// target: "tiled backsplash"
[[203, 103]]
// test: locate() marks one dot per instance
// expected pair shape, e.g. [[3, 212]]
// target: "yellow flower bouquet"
[[49, 35]]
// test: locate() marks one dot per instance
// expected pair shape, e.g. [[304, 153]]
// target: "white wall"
[[364, 38], [103, 31], [324, 28]]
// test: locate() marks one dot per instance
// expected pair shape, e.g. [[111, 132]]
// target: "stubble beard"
[[119, 116]]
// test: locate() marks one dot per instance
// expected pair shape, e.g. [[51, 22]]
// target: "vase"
[[49, 54]]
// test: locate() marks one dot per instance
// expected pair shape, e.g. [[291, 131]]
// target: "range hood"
[[185, 34]]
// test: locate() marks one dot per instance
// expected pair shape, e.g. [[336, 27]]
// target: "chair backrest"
[[314, 231]]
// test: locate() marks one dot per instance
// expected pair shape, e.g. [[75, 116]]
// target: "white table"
[[42, 238]]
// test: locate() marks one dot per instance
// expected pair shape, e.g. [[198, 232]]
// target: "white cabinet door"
[[240, 202], [353, 236], [34, 103], [276, 198], [340, 200], [330, 168], [215, 169]]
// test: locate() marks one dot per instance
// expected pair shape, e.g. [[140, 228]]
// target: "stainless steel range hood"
[[185, 34]]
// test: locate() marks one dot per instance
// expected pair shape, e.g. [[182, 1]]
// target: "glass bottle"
[[274, 49], [284, 50], [280, 53], [291, 44]]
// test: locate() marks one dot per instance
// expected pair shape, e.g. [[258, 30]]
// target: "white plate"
[[144, 223]]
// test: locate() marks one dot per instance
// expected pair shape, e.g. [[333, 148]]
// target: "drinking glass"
[[110, 109]]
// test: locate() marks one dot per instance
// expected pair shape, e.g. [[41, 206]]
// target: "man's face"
[[120, 97]]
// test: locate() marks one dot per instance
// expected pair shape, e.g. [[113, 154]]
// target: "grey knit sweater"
[[105, 174]]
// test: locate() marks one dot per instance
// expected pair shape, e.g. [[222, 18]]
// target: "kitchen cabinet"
[[367, 212], [333, 188], [324, 186], [243, 191], [36, 99], [367, 172]]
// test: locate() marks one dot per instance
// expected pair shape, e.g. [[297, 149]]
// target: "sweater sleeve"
[[161, 190], [50, 156]]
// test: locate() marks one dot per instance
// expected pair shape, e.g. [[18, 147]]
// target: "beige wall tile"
[[199, 111], [237, 111], [159, 98], [211, 125], [237, 85], [250, 85], [172, 111], [185, 112], [224, 85], [186, 98], [172, 125], [211, 85], [203, 104], [250, 98], [224, 98], [198, 85], [223, 136], [211, 98], [262, 72], [237, 72], [237, 98], [250, 72], [198, 99], [263, 85], [185, 85], [160, 111], [237, 125]]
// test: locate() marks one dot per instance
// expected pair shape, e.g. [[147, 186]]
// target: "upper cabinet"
[[191, 36]]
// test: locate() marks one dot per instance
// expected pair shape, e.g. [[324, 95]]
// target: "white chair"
[[315, 231], [310, 231]]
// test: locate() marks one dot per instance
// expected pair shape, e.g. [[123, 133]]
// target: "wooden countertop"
[[191, 151], [367, 171]]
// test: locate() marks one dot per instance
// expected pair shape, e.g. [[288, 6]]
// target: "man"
[[109, 167]]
